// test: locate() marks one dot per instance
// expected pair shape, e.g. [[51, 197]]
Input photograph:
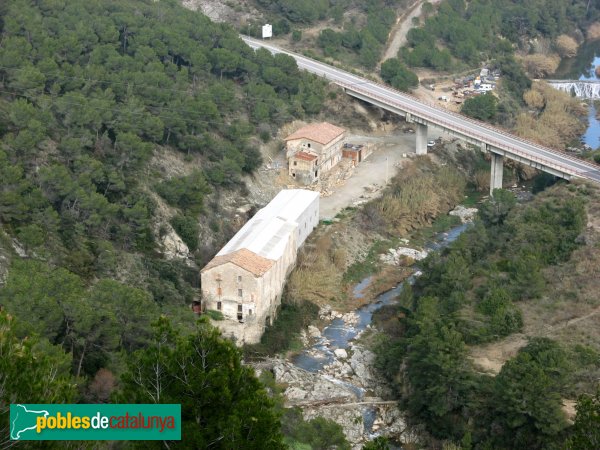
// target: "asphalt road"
[[511, 145]]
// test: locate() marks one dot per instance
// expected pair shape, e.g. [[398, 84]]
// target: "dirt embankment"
[[340, 254]]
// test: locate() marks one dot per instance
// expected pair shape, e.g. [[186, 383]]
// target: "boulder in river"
[[340, 353], [314, 332]]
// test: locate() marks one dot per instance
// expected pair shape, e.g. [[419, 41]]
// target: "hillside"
[[118, 121], [496, 341]]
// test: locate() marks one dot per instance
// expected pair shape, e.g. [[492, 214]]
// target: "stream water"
[[338, 334], [583, 67]]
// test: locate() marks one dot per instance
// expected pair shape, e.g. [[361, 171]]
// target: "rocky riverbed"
[[334, 376], [347, 391]]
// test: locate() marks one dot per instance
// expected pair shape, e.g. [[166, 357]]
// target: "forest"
[[358, 40], [89, 92], [483, 30], [472, 293]]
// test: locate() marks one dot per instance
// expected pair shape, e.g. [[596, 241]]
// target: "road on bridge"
[[500, 141]]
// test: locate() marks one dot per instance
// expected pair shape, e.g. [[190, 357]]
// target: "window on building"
[[309, 145], [219, 306], [239, 308], [239, 292], [239, 314], [295, 163], [219, 291], [239, 278], [249, 312]]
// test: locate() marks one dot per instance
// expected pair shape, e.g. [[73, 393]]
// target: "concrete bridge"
[[499, 143], [587, 89]]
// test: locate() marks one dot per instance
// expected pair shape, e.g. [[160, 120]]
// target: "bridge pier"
[[421, 141], [496, 172]]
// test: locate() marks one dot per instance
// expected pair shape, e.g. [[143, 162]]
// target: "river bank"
[[334, 375], [584, 66], [352, 267]]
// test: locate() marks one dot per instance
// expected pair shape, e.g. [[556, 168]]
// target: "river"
[[582, 67], [340, 334]]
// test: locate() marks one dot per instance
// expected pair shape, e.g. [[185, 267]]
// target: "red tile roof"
[[305, 156], [245, 259], [323, 133]]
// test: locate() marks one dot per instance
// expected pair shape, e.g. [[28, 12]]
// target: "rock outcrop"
[[347, 391], [465, 214]]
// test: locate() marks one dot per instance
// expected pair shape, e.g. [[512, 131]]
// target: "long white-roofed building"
[[245, 280]]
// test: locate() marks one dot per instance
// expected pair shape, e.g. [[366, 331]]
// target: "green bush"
[[318, 433], [291, 319], [188, 230], [186, 193], [215, 315], [398, 75], [483, 107]]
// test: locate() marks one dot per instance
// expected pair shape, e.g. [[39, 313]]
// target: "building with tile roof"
[[245, 280], [313, 150]]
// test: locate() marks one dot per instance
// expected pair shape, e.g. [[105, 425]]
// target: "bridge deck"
[[497, 140]]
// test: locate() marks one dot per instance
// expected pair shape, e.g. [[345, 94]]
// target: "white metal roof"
[[268, 232]]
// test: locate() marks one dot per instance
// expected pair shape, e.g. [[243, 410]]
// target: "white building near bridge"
[[245, 280]]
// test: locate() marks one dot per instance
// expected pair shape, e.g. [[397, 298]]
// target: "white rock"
[[395, 255], [294, 393], [173, 246], [361, 362], [465, 214], [314, 332], [340, 353]]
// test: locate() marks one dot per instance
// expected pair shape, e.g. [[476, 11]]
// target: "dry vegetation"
[[340, 254], [539, 65], [555, 119], [317, 277], [593, 32], [417, 194], [566, 46]]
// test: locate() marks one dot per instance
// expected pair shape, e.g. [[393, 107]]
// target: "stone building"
[[245, 280], [313, 150]]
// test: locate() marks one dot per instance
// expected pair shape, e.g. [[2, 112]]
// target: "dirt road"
[[398, 34], [371, 175]]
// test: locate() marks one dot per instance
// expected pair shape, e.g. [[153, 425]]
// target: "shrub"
[[188, 230], [186, 192], [215, 315]]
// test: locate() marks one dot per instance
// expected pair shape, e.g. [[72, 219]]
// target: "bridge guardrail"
[[567, 170], [494, 142], [477, 122]]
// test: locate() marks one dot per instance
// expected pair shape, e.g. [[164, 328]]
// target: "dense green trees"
[[398, 75], [90, 323], [104, 93], [31, 371], [89, 91], [186, 193], [483, 107], [470, 294], [487, 30], [222, 403], [525, 407], [586, 430], [361, 45]]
